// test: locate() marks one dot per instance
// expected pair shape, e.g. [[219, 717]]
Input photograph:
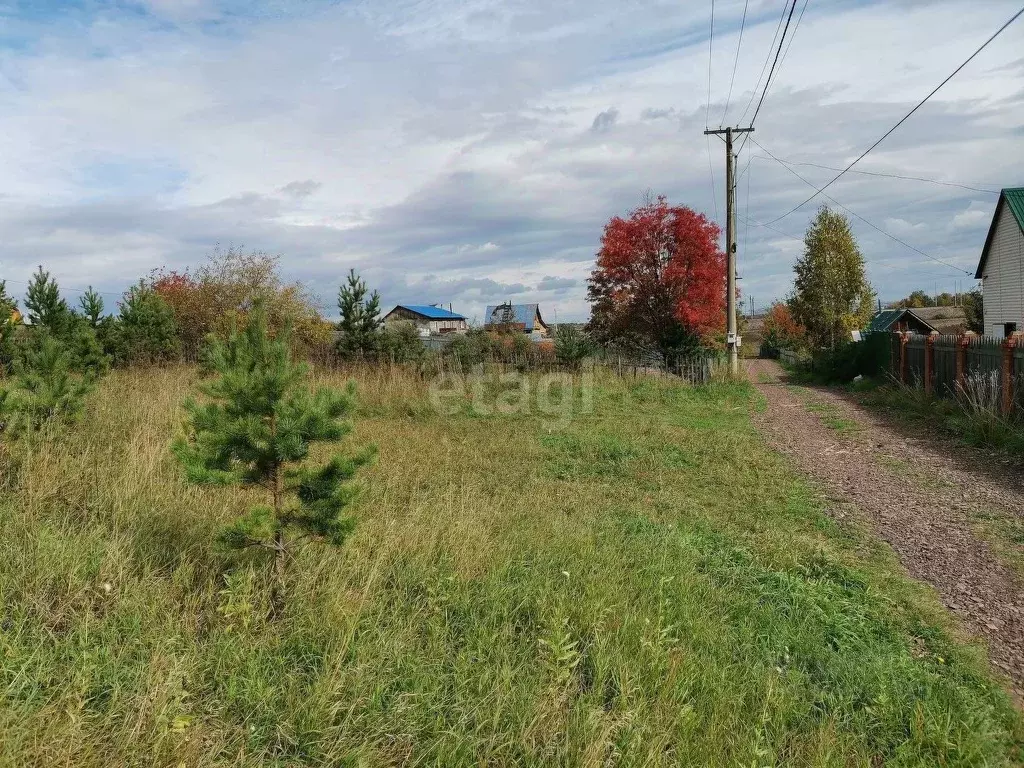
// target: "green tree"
[[10, 319], [146, 331], [360, 318], [256, 429], [916, 300], [92, 307], [44, 305], [401, 343], [43, 389], [974, 310], [572, 346], [831, 293]]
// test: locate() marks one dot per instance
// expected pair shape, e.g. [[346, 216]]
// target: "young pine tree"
[[360, 318], [256, 430], [92, 307], [43, 389], [44, 305]]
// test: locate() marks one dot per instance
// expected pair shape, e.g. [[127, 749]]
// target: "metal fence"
[[957, 366]]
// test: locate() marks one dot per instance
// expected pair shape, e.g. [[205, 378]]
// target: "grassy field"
[[641, 584]]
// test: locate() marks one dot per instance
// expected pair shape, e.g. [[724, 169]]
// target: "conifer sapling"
[[256, 429]]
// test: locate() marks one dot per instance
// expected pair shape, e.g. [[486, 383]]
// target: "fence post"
[[929, 361], [961, 359], [904, 338], [1006, 373]]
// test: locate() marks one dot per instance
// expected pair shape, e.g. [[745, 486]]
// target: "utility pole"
[[732, 337]]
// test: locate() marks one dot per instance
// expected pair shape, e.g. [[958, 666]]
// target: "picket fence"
[[981, 367]]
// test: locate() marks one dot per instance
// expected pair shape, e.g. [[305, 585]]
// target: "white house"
[[1001, 268]]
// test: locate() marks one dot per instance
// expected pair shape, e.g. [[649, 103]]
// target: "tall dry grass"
[[646, 586]]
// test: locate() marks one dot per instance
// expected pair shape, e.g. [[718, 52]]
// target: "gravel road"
[[918, 493]]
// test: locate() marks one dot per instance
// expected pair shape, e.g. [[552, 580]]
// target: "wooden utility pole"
[[732, 337]]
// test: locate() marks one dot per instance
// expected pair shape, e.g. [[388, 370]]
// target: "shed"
[[1001, 267]]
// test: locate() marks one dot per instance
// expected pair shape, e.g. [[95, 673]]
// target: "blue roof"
[[434, 313], [522, 314]]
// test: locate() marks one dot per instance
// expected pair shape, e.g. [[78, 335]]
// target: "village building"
[[429, 319], [1001, 268], [520, 317]]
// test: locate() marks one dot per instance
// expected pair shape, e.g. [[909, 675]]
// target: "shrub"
[[219, 295], [400, 343], [572, 346]]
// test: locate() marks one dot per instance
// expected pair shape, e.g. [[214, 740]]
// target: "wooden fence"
[[949, 366]]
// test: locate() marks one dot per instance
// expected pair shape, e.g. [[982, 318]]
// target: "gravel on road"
[[918, 493]]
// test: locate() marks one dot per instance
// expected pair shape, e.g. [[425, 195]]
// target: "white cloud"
[[439, 145]]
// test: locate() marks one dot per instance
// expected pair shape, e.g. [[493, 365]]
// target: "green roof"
[[1013, 197], [883, 320]]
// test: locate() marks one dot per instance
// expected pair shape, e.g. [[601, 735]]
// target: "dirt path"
[[917, 495]]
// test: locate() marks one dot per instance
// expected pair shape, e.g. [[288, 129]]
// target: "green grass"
[[976, 429], [648, 585], [829, 415]]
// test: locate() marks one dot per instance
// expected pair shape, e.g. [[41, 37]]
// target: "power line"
[[66, 288], [711, 41], [771, 72], [735, 63], [795, 28], [895, 176], [764, 66], [858, 216], [902, 120], [711, 167]]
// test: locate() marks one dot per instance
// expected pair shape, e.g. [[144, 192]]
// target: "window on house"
[[1009, 329]]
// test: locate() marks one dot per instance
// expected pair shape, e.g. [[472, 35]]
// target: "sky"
[[471, 151]]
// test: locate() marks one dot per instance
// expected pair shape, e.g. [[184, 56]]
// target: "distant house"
[[522, 317], [1001, 268], [923, 320], [428, 319]]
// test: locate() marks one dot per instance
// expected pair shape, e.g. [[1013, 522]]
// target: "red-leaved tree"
[[659, 281]]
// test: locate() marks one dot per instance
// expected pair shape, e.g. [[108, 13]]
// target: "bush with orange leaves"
[[221, 292], [781, 330]]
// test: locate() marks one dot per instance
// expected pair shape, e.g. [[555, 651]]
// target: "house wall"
[[402, 315], [1003, 279]]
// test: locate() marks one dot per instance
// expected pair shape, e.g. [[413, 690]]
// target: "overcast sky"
[[470, 151]]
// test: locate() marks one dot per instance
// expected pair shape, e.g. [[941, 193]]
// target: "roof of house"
[[947, 320], [943, 319], [430, 312], [884, 320], [523, 314], [1014, 198]]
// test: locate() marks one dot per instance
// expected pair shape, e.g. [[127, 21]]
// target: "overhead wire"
[[903, 119], [771, 72], [735, 63], [858, 216], [764, 67], [895, 176]]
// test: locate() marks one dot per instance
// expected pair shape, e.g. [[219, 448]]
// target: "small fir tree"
[[44, 305], [360, 318], [43, 389], [256, 430], [146, 331], [92, 307]]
